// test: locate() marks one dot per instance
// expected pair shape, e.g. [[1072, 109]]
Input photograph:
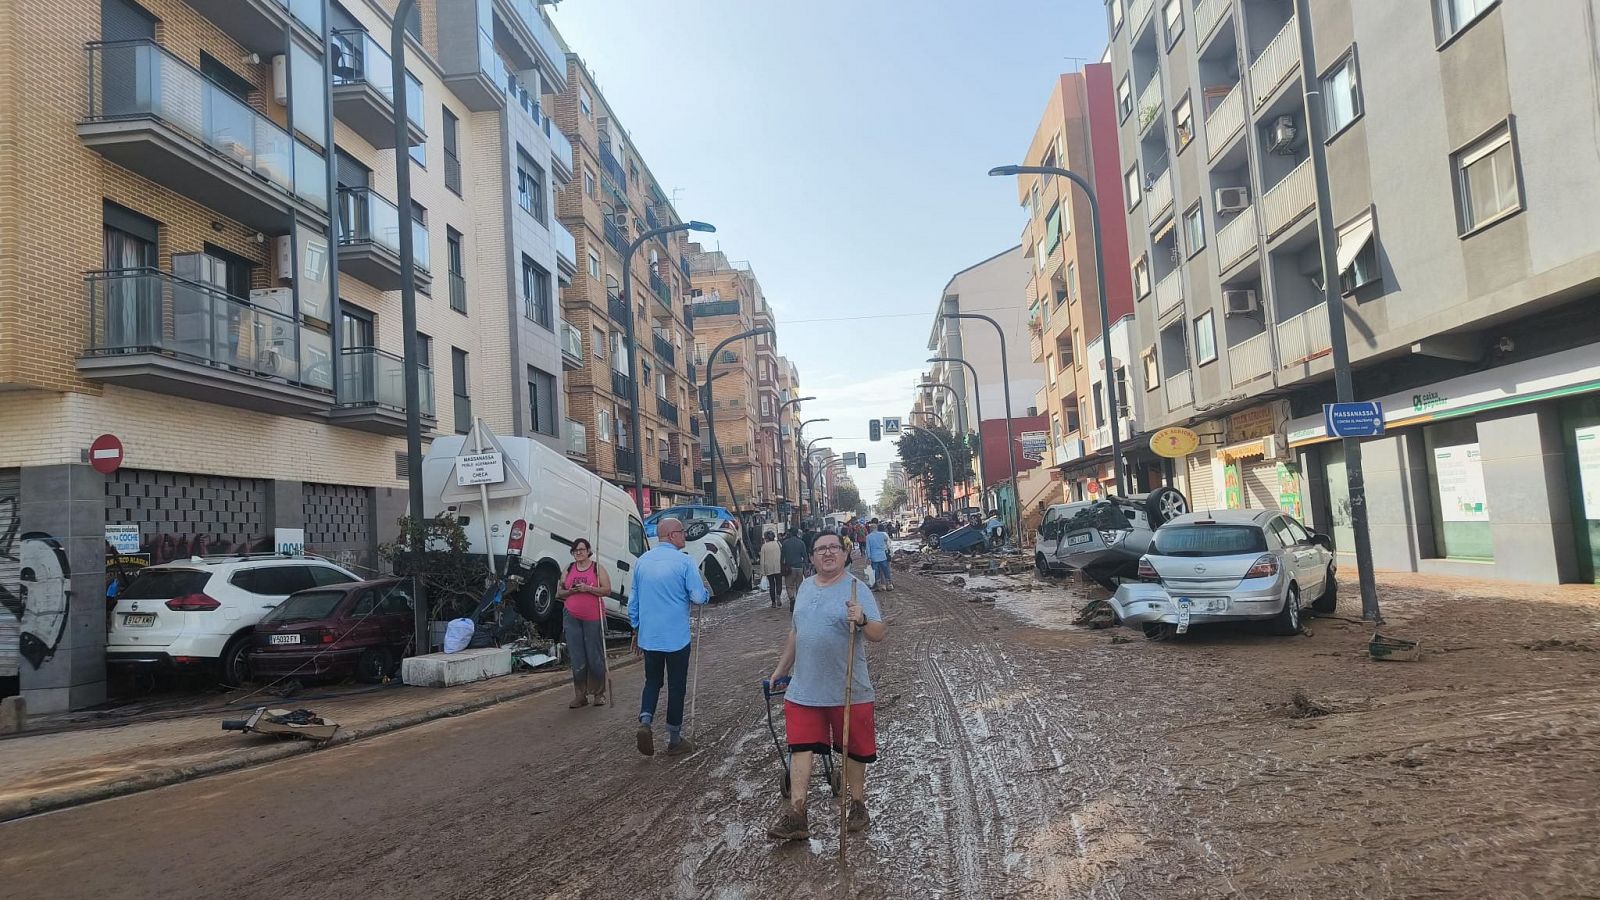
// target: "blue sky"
[[840, 146]]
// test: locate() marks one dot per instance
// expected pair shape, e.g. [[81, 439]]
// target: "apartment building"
[[727, 300], [612, 201], [790, 415], [1464, 263], [1077, 131], [199, 202]]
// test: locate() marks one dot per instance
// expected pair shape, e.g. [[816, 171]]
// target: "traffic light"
[[861, 460], [874, 430]]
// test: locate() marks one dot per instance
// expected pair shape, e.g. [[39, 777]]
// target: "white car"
[[716, 554], [1047, 541], [200, 611]]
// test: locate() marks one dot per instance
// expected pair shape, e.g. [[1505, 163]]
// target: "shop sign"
[[1289, 490], [1589, 469], [122, 538], [1458, 473], [1249, 424], [1174, 442]]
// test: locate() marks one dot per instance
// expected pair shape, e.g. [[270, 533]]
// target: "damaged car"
[[1105, 539]]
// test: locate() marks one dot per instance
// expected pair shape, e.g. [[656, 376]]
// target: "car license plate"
[[138, 620], [286, 639], [1183, 614], [1084, 537]]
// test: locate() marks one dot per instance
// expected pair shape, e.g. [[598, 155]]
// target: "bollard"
[[13, 715]]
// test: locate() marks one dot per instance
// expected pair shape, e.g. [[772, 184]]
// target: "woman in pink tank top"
[[581, 590]]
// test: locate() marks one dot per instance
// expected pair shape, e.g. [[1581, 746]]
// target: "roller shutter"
[[1202, 482], [1260, 484]]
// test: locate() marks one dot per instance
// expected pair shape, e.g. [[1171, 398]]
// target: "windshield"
[[1209, 540], [165, 584], [306, 606], [688, 514]]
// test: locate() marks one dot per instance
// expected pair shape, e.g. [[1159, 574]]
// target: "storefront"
[[1494, 474]]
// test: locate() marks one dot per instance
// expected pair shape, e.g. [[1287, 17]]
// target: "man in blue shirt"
[[665, 582], [878, 556]]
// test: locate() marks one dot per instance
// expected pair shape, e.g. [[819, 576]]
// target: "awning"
[[1353, 238], [1246, 450], [1164, 230]]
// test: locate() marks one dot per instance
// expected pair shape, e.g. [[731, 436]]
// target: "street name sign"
[[1353, 420], [480, 468]]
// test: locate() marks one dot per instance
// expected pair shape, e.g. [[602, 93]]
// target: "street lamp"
[[716, 452], [711, 419], [1011, 441], [783, 465], [811, 480], [799, 458], [959, 398], [928, 413], [1105, 313], [949, 460], [633, 350], [977, 402]]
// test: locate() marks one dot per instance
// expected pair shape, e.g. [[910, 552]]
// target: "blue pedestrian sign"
[[1353, 420]]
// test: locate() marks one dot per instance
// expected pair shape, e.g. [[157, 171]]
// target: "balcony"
[[1225, 121], [470, 65], [152, 331], [1237, 239], [1169, 293], [667, 410], [372, 391], [522, 98], [658, 286], [1180, 391], [683, 266], [369, 240], [561, 155], [1250, 359], [1068, 450], [671, 473], [614, 237], [1207, 13], [1150, 109], [1289, 199], [571, 346], [1304, 337], [613, 169], [258, 24], [566, 247], [1137, 11], [624, 459], [554, 58], [153, 114], [715, 308], [622, 386], [694, 425], [664, 349], [1160, 197], [617, 308], [577, 440], [1036, 344], [1275, 64], [363, 90], [1100, 438]]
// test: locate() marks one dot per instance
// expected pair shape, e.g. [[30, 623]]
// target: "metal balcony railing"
[[1225, 121], [372, 377], [1207, 13], [621, 386], [1275, 64], [624, 459], [694, 425], [716, 308], [367, 217], [1169, 292], [1304, 337], [1180, 390], [664, 349], [611, 168], [1251, 358], [667, 410], [1289, 199], [671, 473], [658, 286], [1236, 239], [143, 310], [1160, 196], [617, 308], [1150, 109]]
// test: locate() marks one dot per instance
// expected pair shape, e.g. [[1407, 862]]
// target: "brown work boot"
[[856, 818], [645, 740], [791, 825], [600, 698], [681, 747], [579, 699]]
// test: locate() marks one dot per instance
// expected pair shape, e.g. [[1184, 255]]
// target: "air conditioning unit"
[[279, 300], [1240, 303], [1282, 135], [280, 79], [1273, 447], [1232, 200]]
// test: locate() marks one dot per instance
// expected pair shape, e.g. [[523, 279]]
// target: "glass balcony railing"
[[566, 244], [367, 217], [358, 58], [519, 95], [528, 12], [140, 80], [309, 12], [560, 147], [372, 377], [139, 311], [571, 341], [577, 439]]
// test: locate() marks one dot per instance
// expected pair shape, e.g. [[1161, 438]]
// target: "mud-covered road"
[[1019, 758]]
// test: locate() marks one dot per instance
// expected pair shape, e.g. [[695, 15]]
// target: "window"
[[452, 159], [1341, 94], [1052, 229], [1454, 15], [1122, 392], [1205, 339], [590, 189], [1124, 99], [541, 401], [458, 274], [603, 425], [1072, 280], [1116, 15], [1358, 252], [419, 154], [1486, 179], [1099, 403], [1172, 16], [1141, 277], [594, 264], [1050, 366], [458, 388], [1183, 123], [425, 350], [597, 344], [1152, 372], [530, 185], [585, 104], [1194, 230], [536, 303], [1130, 186]]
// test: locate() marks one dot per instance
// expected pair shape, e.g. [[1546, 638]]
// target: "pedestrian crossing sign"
[[891, 426]]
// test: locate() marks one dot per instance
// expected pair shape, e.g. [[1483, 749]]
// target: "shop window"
[[1456, 489]]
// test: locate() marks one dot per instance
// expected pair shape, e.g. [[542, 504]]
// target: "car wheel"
[[374, 664], [537, 601], [1288, 619], [1159, 631], [1163, 505], [1040, 565], [719, 581], [1329, 601], [742, 579], [234, 665]]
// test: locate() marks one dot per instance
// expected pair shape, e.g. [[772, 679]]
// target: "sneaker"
[[600, 699], [680, 747], [856, 818], [791, 825], [645, 740]]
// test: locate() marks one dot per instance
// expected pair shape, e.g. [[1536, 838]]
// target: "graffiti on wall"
[[35, 592]]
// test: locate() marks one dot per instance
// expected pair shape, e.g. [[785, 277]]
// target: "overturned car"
[[1105, 539]]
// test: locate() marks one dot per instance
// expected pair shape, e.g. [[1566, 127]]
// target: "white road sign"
[[480, 468], [891, 426]]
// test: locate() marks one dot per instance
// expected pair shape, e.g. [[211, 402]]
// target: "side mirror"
[[1322, 540]]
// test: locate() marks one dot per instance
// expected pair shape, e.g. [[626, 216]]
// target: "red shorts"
[[821, 728]]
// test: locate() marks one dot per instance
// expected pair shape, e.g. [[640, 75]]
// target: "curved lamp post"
[[800, 460], [783, 465], [711, 417], [977, 402]]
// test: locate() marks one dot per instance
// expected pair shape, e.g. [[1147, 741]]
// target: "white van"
[[560, 501]]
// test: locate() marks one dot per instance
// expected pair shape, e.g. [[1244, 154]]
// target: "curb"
[[22, 808]]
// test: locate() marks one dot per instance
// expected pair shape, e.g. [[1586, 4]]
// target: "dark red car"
[[359, 629]]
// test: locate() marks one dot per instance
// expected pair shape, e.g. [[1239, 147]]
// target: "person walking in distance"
[[878, 557], [795, 555], [581, 590], [772, 567], [665, 583], [831, 607]]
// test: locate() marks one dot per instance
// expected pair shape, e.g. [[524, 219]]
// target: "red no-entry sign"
[[105, 454]]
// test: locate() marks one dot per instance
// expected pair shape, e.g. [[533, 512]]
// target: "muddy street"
[[1020, 757]]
